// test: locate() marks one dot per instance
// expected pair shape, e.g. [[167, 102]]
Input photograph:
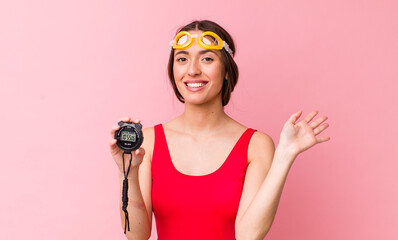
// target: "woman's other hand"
[[298, 137]]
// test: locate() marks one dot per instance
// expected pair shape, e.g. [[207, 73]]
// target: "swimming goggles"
[[207, 40]]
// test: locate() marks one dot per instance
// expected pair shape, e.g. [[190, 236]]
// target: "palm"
[[300, 136]]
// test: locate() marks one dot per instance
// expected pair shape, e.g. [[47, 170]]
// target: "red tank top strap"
[[243, 145], [240, 153], [159, 155], [160, 138], [159, 134]]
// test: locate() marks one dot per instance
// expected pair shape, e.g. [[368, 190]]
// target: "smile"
[[195, 85]]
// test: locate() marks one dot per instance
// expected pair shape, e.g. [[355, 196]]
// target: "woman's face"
[[199, 73]]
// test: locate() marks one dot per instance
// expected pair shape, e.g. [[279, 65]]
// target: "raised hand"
[[298, 137]]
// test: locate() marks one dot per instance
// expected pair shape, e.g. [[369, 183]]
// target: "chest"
[[199, 156]]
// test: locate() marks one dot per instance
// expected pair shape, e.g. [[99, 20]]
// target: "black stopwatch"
[[129, 136]]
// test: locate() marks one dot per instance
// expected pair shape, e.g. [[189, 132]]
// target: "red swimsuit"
[[202, 207]]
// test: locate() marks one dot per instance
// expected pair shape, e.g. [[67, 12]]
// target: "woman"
[[203, 174]]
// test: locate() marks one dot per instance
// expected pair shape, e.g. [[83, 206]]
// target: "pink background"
[[70, 69]]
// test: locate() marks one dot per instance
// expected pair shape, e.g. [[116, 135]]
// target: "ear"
[[226, 76]]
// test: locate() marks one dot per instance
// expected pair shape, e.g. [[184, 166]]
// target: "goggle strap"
[[226, 47]]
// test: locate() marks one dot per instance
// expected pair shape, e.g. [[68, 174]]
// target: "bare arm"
[[139, 205], [295, 138], [260, 215], [140, 227]]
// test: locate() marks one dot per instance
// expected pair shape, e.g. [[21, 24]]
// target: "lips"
[[195, 81], [195, 85]]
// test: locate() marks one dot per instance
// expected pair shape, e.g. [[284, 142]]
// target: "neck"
[[203, 119]]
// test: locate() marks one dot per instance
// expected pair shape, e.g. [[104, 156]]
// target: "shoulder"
[[149, 140], [261, 146], [148, 132], [260, 138]]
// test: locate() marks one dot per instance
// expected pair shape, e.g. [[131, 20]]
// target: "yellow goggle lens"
[[182, 40], [210, 40], [207, 40]]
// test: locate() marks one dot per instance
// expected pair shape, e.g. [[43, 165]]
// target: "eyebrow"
[[200, 52]]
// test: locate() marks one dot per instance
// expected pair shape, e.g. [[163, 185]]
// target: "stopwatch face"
[[129, 136]]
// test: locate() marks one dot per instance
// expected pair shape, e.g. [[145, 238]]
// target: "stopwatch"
[[129, 137]]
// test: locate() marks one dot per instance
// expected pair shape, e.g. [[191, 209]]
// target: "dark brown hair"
[[230, 66]]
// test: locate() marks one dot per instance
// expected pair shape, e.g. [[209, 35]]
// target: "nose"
[[194, 68]]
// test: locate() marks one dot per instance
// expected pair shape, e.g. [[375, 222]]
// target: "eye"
[[208, 59], [181, 58]]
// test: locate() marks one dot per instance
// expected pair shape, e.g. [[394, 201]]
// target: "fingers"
[[310, 116], [316, 123], [322, 139], [114, 148], [129, 119], [295, 116], [114, 128], [139, 152], [136, 120], [124, 119], [320, 129]]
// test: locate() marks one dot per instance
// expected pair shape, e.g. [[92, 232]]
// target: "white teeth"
[[195, 84]]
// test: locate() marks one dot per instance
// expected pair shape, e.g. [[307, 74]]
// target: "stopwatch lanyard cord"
[[124, 196]]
